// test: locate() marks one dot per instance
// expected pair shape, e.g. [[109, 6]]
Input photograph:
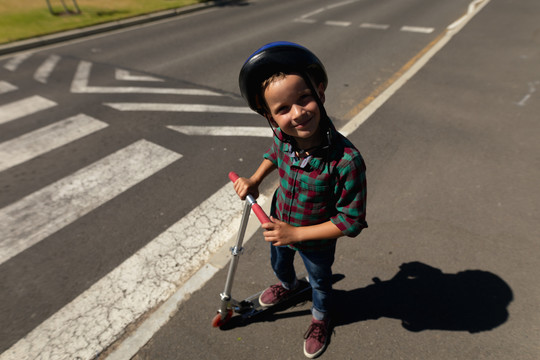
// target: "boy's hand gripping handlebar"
[[259, 212]]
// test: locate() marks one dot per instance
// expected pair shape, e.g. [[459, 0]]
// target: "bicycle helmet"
[[273, 58]]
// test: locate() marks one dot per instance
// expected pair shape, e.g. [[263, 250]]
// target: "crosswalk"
[[148, 277], [92, 321], [46, 211]]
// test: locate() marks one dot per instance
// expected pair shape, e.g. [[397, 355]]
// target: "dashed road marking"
[[418, 29], [338, 23], [306, 21], [374, 26]]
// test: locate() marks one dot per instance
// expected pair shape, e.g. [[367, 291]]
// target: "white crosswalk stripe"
[[28, 146], [24, 107], [6, 87], [14, 62], [179, 107], [44, 71], [125, 75], [251, 131], [40, 214], [81, 78]]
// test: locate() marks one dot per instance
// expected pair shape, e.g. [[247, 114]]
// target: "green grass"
[[25, 19]]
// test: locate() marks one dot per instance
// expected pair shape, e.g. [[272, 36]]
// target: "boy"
[[322, 190]]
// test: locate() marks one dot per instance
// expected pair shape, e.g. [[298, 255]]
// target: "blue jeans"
[[319, 268]]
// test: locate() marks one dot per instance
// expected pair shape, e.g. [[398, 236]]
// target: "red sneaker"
[[274, 294], [316, 338]]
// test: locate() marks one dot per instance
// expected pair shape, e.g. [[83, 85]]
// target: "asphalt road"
[[452, 161], [452, 246]]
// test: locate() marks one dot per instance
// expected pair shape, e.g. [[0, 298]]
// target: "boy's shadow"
[[423, 298]]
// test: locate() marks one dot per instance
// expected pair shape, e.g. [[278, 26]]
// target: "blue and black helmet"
[[273, 58]]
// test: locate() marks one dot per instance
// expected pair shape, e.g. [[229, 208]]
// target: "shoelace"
[[278, 290], [317, 331]]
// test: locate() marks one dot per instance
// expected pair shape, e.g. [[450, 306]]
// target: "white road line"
[[338, 23], [418, 29], [179, 107], [374, 26], [24, 107], [428, 52], [128, 348], [306, 21], [44, 71], [6, 87], [40, 214], [125, 75], [14, 62], [38, 142], [532, 90], [304, 18], [93, 321], [82, 75], [251, 131]]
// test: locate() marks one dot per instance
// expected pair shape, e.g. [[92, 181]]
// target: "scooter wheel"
[[218, 321]]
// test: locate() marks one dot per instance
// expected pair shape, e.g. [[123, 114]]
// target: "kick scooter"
[[249, 306]]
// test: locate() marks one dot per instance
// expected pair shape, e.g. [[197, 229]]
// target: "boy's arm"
[[245, 186], [280, 233]]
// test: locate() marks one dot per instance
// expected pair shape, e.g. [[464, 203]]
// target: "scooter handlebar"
[[259, 212], [233, 176]]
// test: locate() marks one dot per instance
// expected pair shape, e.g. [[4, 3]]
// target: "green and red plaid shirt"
[[328, 186]]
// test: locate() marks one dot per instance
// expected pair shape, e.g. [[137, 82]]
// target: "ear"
[[320, 91]]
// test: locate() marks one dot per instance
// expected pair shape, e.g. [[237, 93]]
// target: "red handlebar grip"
[[233, 176], [261, 215], [259, 212]]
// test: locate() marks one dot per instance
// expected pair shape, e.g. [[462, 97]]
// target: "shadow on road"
[[423, 298]]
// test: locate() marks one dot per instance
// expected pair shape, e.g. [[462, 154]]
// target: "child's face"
[[294, 110]]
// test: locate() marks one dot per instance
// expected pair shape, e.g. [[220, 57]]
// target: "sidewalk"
[[453, 173]]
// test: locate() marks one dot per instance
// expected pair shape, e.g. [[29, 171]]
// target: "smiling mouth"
[[300, 126]]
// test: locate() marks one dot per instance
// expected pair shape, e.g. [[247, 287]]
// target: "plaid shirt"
[[313, 190]]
